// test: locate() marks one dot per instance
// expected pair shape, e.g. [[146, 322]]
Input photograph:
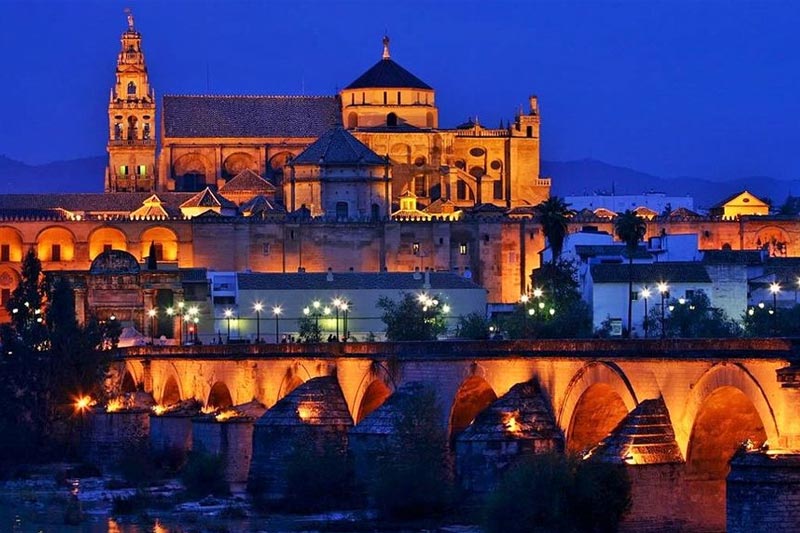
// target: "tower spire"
[[129, 13], [386, 47]]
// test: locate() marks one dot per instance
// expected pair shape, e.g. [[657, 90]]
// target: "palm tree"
[[554, 214], [630, 228]]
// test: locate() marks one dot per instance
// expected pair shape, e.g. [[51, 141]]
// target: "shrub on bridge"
[[553, 492]]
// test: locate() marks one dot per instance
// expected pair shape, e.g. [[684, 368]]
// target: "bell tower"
[[131, 120]]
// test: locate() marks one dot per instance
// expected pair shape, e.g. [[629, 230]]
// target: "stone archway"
[[375, 394], [599, 384], [128, 383], [171, 393], [473, 396], [220, 396], [237, 162], [192, 172]]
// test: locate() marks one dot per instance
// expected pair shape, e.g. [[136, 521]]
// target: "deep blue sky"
[[675, 88]]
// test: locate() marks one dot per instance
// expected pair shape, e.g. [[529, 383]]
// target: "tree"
[[473, 326], [790, 207], [554, 492], [692, 318], [554, 214], [555, 311], [413, 318], [47, 360], [631, 229], [784, 322], [412, 476], [308, 328]]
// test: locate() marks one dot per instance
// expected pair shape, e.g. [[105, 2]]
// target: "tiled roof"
[[317, 402], [387, 73], [645, 436], [614, 250], [352, 281], [262, 206], [247, 180], [521, 414], [683, 212], [732, 197], [440, 206], [250, 116], [112, 202], [338, 147], [671, 272], [732, 257], [208, 198], [385, 419]]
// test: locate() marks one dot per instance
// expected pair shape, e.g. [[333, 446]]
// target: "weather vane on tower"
[[130, 18]]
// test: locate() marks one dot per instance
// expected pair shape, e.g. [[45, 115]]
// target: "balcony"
[[132, 184], [132, 142]]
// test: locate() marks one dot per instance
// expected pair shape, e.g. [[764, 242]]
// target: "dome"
[[386, 73]]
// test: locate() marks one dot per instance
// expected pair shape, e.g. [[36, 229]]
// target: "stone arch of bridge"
[[219, 396], [375, 387], [171, 392], [292, 380], [725, 375], [131, 377], [474, 394], [597, 398]]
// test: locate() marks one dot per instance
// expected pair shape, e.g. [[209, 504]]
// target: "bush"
[[412, 477], [332, 475], [204, 474], [552, 492]]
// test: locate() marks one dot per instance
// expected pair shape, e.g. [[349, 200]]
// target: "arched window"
[[352, 120], [132, 121], [117, 131], [146, 131], [131, 89], [391, 119]]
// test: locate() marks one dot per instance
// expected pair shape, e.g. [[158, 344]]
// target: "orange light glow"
[[83, 402], [114, 405], [159, 410]]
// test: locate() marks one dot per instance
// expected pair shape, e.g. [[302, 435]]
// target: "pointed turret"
[[131, 119]]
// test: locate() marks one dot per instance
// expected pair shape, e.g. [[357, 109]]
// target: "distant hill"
[[75, 175], [585, 176], [588, 176]]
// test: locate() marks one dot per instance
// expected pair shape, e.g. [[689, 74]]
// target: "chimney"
[[329, 277], [427, 283]]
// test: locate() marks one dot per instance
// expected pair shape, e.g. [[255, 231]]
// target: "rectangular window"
[[5, 252], [398, 97], [415, 248], [142, 170], [353, 99], [498, 190], [5, 296], [55, 252], [419, 186], [461, 190], [462, 248], [265, 247], [384, 97], [634, 295], [530, 131], [123, 170]]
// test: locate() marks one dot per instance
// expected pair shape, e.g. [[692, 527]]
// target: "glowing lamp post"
[[663, 288], [774, 288], [276, 311], [345, 309], [152, 314], [181, 306], [258, 307], [336, 305], [228, 315], [645, 295]]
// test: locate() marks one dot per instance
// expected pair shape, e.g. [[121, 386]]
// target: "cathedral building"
[[366, 181]]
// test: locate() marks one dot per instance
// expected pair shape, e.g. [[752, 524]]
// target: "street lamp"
[[196, 328], [336, 304], [345, 308], [276, 310], [775, 288], [171, 315], [228, 315], [537, 293], [258, 307], [663, 288], [152, 314], [645, 295], [181, 305]]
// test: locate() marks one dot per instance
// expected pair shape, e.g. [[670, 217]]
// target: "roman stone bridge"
[[681, 407], [590, 384]]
